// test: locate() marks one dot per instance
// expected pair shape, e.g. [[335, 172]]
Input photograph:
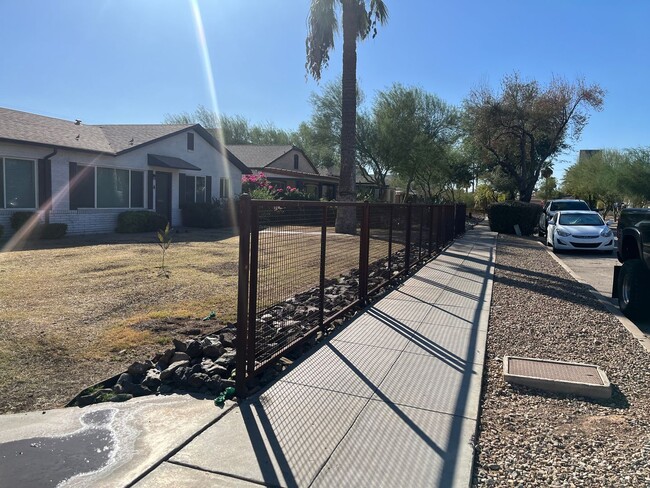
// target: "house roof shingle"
[[258, 156], [112, 139]]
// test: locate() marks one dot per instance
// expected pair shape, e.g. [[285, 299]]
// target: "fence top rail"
[[333, 203]]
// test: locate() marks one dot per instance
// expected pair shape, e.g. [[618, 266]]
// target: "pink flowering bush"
[[259, 188]]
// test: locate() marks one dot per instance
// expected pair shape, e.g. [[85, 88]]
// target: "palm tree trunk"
[[346, 221]]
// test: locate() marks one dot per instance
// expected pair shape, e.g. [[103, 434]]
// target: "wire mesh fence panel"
[[297, 273], [285, 281], [380, 245]]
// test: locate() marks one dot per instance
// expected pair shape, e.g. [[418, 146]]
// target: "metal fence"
[[297, 275]]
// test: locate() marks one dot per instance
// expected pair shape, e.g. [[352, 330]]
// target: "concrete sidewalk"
[[390, 400]]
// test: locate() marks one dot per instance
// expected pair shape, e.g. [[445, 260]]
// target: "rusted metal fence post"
[[430, 247], [407, 248], [420, 236], [321, 281], [252, 298], [390, 242], [364, 253], [242, 292]]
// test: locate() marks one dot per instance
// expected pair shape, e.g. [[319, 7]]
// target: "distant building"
[[286, 165]]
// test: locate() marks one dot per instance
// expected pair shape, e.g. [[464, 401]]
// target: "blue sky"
[[133, 61]]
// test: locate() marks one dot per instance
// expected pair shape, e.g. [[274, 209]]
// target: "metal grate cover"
[[576, 378], [586, 373]]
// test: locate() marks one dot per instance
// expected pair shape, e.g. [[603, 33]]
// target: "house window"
[[200, 189], [82, 187], [112, 188], [92, 187], [18, 183], [137, 189], [194, 189], [224, 188], [190, 141], [296, 161]]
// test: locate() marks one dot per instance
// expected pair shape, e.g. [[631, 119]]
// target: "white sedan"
[[579, 230]]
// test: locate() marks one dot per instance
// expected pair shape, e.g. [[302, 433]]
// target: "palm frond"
[[322, 26]]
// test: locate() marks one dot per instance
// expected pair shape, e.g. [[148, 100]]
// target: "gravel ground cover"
[[532, 438]]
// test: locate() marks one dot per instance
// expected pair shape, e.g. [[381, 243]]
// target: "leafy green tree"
[[484, 196], [235, 129], [634, 175], [596, 176], [416, 132], [548, 189], [359, 18], [521, 128]]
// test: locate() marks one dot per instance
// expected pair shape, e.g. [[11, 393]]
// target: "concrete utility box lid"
[[586, 380]]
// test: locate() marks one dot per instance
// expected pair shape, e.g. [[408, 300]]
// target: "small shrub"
[[504, 216], [205, 215], [262, 194], [18, 219], [52, 231], [164, 241], [140, 221]]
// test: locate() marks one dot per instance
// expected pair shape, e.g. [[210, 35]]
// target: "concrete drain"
[[580, 379]]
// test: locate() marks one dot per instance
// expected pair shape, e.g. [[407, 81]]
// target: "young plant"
[[164, 241]]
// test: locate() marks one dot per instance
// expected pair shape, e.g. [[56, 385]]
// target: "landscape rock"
[[212, 347], [179, 356], [140, 368], [193, 349], [152, 379], [179, 346], [122, 397], [167, 373]]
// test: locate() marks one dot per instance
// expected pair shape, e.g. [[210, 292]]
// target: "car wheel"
[[555, 249], [633, 289]]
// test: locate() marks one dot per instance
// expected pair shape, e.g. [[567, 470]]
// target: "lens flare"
[[209, 75]]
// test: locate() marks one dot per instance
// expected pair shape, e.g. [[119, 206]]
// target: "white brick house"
[[85, 175]]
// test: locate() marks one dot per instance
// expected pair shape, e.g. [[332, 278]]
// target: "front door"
[[164, 195]]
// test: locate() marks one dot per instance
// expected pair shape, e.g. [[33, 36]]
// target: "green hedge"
[[140, 221], [203, 215], [52, 231], [18, 219], [208, 215], [505, 215]]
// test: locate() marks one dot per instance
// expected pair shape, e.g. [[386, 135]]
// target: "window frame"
[[3, 203], [296, 161], [224, 183], [129, 191], [196, 189], [190, 141]]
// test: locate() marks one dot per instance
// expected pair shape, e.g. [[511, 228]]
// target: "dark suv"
[[553, 206]]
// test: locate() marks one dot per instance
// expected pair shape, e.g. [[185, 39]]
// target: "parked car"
[[579, 230], [553, 206], [632, 280]]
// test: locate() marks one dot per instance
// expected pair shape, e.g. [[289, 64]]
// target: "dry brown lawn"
[[78, 311], [71, 316]]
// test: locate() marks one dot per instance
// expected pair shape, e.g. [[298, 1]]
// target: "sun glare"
[[209, 78]]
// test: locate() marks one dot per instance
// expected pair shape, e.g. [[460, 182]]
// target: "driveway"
[[597, 270]]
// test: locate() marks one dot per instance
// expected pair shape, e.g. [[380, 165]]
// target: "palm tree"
[[359, 18]]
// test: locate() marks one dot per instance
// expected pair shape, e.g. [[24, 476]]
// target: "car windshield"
[[581, 219], [577, 205]]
